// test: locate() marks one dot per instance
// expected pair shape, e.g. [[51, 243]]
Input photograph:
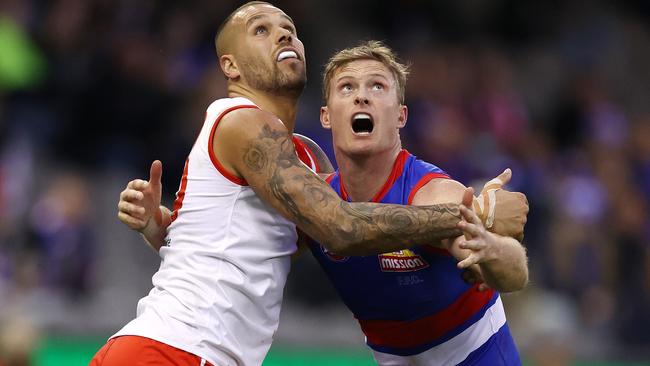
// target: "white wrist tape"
[[485, 204], [492, 205]]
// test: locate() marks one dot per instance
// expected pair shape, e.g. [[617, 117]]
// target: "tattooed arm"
[[256, 146]]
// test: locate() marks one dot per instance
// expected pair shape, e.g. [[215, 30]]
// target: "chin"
[[295, 83], [361, 150]]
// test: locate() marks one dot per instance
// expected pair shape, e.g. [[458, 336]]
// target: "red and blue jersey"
[[413, 300]]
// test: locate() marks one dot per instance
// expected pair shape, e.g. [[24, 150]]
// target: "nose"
[[361, 99], [285, 36]]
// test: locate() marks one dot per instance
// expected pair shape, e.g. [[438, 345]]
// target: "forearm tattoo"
[[359, 227]]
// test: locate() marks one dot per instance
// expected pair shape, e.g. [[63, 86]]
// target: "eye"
[[260, 30], [378, 86], [290, 29], [346, 88]]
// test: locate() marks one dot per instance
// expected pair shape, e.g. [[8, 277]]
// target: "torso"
[[219, 288], [408, 301]]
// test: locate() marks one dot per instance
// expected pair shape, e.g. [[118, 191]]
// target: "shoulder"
[[247, 133], [249, 121], [225, 105], [424, 166], [323, 161], [439, 190]]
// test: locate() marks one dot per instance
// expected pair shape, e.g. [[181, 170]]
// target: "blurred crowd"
[[558, 90]]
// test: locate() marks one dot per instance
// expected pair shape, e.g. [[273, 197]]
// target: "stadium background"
[[91, 91]]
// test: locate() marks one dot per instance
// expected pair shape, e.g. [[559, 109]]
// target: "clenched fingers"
[[131, 195], [130, 209], [138, 184], [131, 222]]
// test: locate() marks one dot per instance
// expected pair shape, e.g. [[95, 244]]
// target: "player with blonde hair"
[[412, 304]]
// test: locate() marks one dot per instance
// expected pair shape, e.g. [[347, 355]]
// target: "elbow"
[[346, 247], [523, 280], [516, 283], [517, 277]]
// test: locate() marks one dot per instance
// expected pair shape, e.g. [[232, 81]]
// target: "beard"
[[272, 79]]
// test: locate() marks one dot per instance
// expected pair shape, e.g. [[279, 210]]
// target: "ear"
[[325, 118], [229, 67], [403, 115]]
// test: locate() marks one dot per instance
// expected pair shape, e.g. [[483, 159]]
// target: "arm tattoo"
[[352, 228]]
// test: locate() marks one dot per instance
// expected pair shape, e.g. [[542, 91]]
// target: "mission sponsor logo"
[[401, 261]]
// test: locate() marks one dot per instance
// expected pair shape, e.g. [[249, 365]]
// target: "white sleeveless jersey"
[[219, 288]]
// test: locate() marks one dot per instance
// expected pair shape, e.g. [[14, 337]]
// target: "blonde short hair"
[[368, 50]]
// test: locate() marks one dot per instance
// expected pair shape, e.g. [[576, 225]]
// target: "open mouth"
[[287, 55], [362, 124]]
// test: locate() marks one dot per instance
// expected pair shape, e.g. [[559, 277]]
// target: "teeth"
[[362, 124], [287, 54]]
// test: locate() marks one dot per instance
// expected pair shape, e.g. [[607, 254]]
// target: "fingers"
[[131, 195], [470, 216], [498, 182], [131, 222], [155, 173], [138, 184], [469, 261], [505, 176], [131, 209], [473, 245], [468, 197]]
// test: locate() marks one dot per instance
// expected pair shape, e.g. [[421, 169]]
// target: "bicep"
[[438, 191], [264, 155]]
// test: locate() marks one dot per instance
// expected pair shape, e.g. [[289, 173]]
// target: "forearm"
[[360, 228], [367, 228], [508, 270]]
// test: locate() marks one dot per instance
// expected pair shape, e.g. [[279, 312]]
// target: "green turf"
[[78, 352]]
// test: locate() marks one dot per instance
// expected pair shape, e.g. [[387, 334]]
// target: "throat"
[[363, 182], [364, 176]]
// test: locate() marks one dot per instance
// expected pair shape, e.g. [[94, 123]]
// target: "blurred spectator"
[[61, 225], [19, 338]]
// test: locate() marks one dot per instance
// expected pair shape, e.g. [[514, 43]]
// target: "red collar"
[[396, 172]]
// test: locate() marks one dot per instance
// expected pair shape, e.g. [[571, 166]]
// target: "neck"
[[363, 176], [282, 106]]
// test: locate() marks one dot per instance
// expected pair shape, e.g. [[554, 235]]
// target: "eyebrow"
[[259, 16], [342, 77]]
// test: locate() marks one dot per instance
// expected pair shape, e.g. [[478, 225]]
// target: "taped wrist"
[[485, 204]]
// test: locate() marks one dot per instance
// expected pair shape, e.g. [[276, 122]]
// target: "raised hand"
[[140, 201], [502, 212]]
